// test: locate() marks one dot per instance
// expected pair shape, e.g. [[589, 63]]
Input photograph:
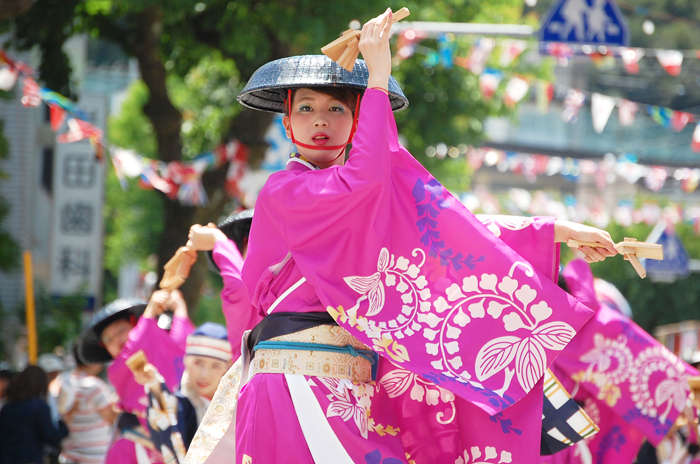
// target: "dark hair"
[[76, 355], [347, 97], [31, 382]]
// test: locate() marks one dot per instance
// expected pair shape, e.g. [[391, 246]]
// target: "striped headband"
[[201, 345]]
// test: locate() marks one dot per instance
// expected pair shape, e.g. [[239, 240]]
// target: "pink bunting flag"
[[627, 109], [510, 50], [8, 78], [572, 104], [679, 120], [79, 130], [695, 145], [562, 52], [602, 107], [479, 54], [406, 43], [31, 93], [670, 60], [515, 91], [656, 178], [630, 58]]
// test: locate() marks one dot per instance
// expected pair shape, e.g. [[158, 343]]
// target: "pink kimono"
[[165, 350], [239, 313], [631, 385], [465, 325]]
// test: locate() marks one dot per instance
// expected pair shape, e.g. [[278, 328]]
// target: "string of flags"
[[518, 202], [605, 171], [179, 180], [518, 86]]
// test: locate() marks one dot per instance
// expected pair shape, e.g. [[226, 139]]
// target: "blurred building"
[[55, 191]]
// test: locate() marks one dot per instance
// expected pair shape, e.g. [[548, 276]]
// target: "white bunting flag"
[[602, 107]]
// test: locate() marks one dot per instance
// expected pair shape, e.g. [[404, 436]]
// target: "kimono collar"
[[296, 161]]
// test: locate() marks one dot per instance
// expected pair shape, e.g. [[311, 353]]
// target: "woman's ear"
[[285, 122]]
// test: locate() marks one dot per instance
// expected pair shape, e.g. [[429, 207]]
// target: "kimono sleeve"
[[239, 313]]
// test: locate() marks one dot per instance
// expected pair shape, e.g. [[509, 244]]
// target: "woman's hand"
[[374, 45], [177, 304], [203, 238], [567, 230], [157, 304], [146, 376]]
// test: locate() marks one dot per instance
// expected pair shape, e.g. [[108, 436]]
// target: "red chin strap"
[[288, 103]]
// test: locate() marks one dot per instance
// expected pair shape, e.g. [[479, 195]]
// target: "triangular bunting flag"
[[670, 60], [515, 91], [695, 145], [572, 103], [8, 78], [406, 43], [602, 107], [627, 110], [79, 130], [662, 116], [479, 54], [630, 58], [510, 50], [489, 80], [561, 51], [602, 61], [680, 120], [57, 116], [31, 93]]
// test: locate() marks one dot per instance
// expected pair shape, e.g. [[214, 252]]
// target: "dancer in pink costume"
[[444, 330], [124, 327], [226, 246], [632, 386]]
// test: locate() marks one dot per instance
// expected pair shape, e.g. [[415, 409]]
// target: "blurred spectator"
[[53, 365], [93, 413], [25, 420], [6, 375]]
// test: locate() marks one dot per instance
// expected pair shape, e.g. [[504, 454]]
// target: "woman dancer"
[[397, 327]]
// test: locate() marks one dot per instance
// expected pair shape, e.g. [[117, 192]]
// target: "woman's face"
[[204, 373], [320, 120], [115, 336]]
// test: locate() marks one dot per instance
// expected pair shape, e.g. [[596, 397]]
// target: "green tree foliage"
[[194, 57]]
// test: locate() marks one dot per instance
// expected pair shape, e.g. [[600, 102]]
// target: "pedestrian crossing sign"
[[585, 22]]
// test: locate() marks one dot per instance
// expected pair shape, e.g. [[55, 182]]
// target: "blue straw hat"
[[90, 347], [237, 228], [267, 88]]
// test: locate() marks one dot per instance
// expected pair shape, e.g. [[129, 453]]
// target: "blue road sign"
[[592, 22], [676, 260]]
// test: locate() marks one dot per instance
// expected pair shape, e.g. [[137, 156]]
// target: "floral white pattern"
[[440, 319], [489, 455], [611, 363], [348, 401], [398, 381]]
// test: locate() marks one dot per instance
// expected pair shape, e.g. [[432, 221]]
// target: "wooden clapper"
[[178, 268], [631, 249], [344, 50]]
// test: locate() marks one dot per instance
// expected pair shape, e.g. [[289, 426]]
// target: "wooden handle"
[[137, 361], [350, 34]]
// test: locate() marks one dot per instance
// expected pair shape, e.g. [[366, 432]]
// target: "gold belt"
[[315, 363]]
